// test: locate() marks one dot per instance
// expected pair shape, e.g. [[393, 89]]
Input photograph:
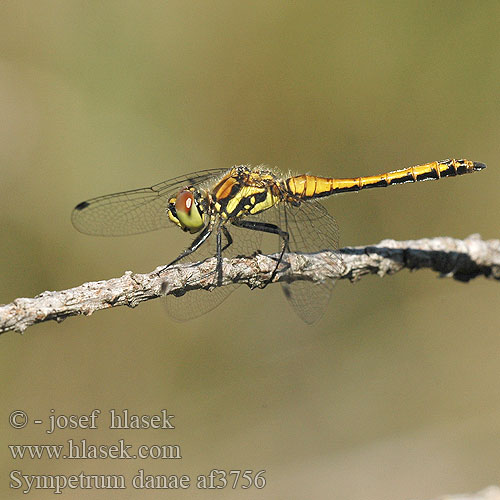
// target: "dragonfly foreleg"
[[197, 242]]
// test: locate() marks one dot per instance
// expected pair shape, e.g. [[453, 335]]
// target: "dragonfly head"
[[186, 210]]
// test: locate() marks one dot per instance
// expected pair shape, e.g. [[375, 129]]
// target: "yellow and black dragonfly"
[[230, 210]]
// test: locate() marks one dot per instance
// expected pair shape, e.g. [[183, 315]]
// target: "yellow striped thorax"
[[243, 191]]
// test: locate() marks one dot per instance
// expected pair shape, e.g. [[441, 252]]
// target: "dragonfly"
[[229, 210]]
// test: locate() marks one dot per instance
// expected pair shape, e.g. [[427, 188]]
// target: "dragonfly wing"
[[136, 211], [198, 302], [311, 229]]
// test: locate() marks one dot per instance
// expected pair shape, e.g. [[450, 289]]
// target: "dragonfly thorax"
[[245, 191], [187, 210]]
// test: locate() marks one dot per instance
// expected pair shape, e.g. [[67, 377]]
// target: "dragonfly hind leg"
[[267, 227]]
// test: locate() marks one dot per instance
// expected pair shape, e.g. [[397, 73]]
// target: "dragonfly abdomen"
[[308, 186]]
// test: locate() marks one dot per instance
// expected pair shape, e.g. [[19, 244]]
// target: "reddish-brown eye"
[[184, 202], [188, 212]]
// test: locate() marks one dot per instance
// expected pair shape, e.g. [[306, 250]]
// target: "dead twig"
[[462, 260]]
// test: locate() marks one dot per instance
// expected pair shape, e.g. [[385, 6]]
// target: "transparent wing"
[[198, 302], [136, 211], [311, 229]]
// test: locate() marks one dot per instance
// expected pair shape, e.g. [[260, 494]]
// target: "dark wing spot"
[[82, 205]]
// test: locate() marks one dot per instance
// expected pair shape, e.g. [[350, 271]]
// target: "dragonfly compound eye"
[[188, 213]]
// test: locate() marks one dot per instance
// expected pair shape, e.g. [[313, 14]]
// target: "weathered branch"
[[459, 259]]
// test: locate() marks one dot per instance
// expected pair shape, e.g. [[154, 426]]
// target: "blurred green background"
[[395, 393]]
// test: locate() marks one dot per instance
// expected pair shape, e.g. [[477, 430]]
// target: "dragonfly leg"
[[197, 242], [228, 236], [267, 227], [218, 267], [219, 250]]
